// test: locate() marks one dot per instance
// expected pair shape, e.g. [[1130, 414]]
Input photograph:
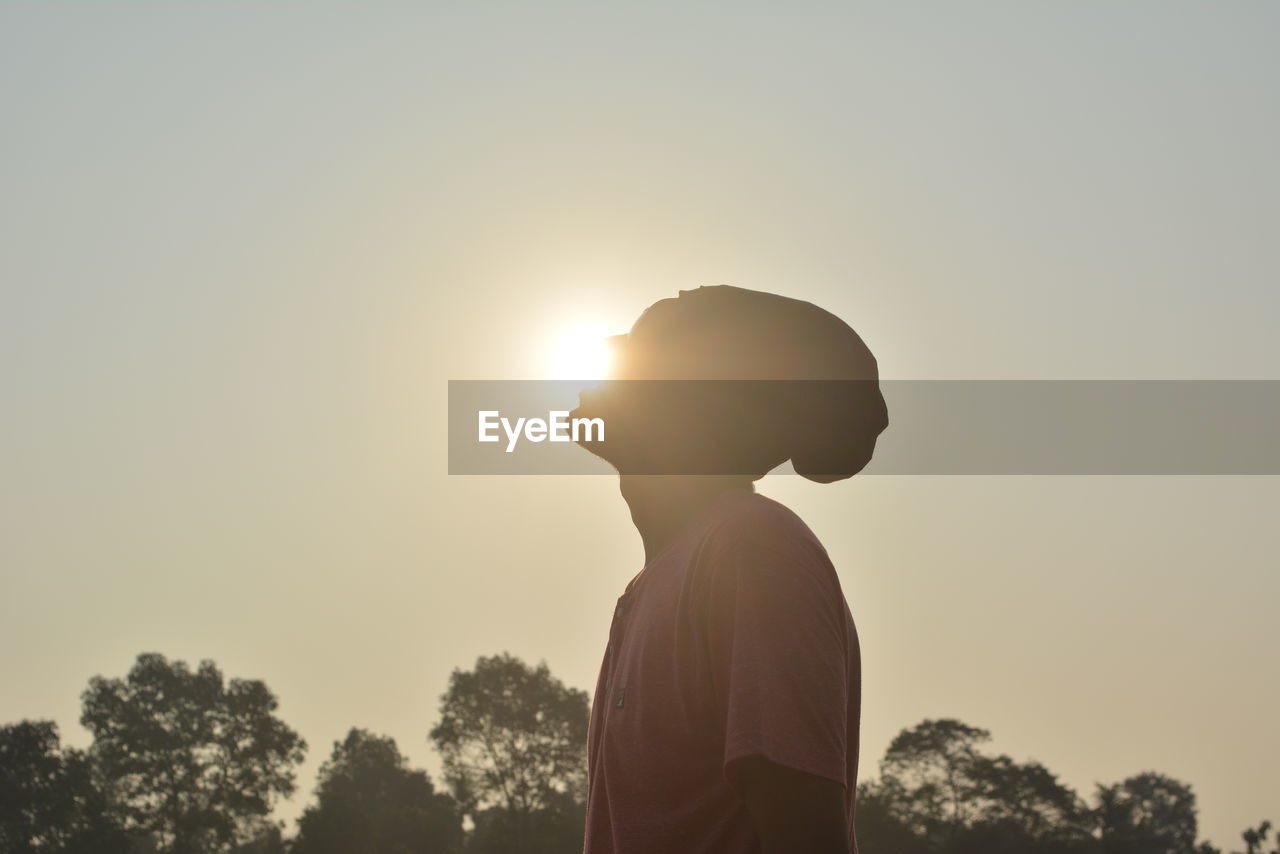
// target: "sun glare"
[[580, 353]]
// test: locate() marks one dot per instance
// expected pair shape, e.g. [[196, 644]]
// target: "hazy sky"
[[246, 245]]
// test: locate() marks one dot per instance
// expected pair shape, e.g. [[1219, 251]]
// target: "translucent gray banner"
[[970, 427]]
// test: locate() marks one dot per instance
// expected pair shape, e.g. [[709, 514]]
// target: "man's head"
[[728, 381]]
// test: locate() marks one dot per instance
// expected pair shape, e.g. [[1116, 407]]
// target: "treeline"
[[940, 793], [184, 761]]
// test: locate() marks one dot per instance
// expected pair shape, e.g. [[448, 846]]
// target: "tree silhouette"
[[513, 742], [938, 793], [881, 827], [48, 801], [937, 787], [192, 761], [1148, 813], [927, 776], [1025, 803], [183, 762], [1255, 839], [367, 800], [554, 829]]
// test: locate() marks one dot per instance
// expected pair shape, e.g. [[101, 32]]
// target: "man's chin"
[[599, 449]]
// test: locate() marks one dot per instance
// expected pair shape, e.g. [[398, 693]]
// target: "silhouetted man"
[[725, 717]]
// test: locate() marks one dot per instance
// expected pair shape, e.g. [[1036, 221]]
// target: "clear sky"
[[246, 245]]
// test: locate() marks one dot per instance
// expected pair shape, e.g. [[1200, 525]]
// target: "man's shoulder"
[[762, 550], [755, 517], [755, 528]]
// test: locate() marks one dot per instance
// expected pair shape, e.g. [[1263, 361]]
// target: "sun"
[[579, 353]]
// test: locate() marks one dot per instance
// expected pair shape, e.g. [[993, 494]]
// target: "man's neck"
[[664, 505]]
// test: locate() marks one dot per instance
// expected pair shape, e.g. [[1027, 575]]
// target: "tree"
[[48, 801], [192, 761], [369, 801], [1148, 813], [879, 827], [513, 741], [927, 780], [1021, 807], [939, 792], [1255, 839], [555, 828], [267, 839]]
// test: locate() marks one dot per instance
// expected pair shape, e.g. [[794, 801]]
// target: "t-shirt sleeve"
[[777, 649]]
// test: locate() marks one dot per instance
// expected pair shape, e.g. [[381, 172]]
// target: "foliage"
[[1147, 814], [183, 762], [1255, 839], [48, 800], [938, 793], [191, 761], [555, 828], [513, 738], [368, 800]]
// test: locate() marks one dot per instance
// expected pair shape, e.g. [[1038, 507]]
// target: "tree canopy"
[[939, 792], [189, 759], [48, 800], [513, 742], [368, 800], [184, 761]]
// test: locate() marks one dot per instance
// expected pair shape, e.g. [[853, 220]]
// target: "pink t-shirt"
[[735, 640]]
